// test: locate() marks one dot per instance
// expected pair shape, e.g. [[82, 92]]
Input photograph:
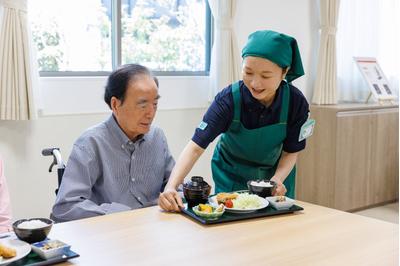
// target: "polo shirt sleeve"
[[298, 116], [216, 120]]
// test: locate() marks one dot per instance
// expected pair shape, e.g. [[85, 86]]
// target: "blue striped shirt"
[[107, 172]]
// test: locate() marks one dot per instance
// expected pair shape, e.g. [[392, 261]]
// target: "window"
[[68, 38], [93, 37], [367, 28]]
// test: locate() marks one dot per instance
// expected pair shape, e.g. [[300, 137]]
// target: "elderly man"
[[122, 163]]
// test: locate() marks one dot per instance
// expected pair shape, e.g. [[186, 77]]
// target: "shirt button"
[[122, 146], [130, 142], [133, 179], [138, 198]]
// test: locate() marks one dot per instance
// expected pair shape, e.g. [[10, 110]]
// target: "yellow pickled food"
[[205, 208]]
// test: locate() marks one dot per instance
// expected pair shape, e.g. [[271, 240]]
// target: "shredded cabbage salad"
[[247, 201]]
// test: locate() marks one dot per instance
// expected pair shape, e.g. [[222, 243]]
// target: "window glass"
[[75, 36], [367, 28], [165, 35], [72, 35]]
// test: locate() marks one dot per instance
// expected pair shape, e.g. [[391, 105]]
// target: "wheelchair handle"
[[57, 160], [57, 156], [49, 151]]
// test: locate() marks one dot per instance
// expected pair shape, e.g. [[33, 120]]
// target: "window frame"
[[116, 49]]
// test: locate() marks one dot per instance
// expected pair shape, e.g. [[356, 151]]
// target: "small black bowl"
[[196, 191], [261, 190], [194, 198], [33, 235]]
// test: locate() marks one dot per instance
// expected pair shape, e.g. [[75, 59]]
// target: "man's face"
[[137, 112]]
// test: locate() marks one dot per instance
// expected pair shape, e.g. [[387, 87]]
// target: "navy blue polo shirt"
[[253, 115]]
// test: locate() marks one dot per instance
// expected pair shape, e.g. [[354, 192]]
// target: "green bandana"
[[278, 48]]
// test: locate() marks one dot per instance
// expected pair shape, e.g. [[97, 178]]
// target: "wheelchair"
[[57, 160]]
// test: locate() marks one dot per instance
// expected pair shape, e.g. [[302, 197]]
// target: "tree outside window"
[[165, 35]]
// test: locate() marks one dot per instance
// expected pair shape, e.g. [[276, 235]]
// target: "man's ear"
[[115, 103]]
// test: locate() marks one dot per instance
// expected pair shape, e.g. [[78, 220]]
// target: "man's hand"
[[170, 200]]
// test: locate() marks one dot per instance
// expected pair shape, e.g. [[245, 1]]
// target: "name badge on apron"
[[307, 129]]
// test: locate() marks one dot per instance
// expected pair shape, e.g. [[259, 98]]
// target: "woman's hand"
[[280, 189], [285, 165], [170, 200]]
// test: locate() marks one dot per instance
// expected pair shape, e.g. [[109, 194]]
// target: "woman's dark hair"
[[119, 79]]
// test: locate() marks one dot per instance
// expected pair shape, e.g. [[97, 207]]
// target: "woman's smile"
[[257, 91]]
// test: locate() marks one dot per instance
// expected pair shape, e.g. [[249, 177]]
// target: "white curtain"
[[325, 83], [225, 56], [367, 28], [17, 71]]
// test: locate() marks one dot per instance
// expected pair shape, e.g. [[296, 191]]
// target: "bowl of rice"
[[32, 230], [262, 188]]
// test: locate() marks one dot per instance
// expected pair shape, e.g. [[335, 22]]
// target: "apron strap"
[[236, 101], [285, 104], [237, 104]]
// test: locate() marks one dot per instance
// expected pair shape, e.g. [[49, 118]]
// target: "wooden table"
[[315, 236]]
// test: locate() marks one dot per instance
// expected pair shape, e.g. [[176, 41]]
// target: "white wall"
[[84, 95], [71, 106], [299, 18]]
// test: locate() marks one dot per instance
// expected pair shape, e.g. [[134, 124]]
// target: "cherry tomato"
[[229, 203]]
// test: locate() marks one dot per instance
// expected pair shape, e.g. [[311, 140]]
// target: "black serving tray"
[[33, 259], [230, 217]]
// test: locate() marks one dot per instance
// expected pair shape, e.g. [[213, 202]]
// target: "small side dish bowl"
[[281, 202], [262, 188], [50, 248], [32, 230], [216, 212]]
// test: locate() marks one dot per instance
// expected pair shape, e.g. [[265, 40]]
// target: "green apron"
[[245, 154]]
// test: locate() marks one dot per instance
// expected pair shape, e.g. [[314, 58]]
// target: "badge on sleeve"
[[202, 125], [307, 129]]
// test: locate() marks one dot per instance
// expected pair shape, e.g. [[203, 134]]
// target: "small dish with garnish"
[[281, 202]]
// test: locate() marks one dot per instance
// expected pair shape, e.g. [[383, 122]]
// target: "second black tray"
[[33, 259]]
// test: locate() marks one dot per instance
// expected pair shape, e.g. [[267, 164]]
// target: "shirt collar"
[[116, 130], [252, 103]]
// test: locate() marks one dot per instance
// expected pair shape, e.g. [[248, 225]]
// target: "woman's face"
[[262, 77]]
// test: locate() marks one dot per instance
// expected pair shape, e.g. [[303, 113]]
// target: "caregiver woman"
[[260, 119]]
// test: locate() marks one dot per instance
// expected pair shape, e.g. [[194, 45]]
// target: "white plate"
[[264, 202], [21, 247]]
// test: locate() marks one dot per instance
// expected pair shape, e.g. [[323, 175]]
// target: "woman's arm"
[[170, 200], [285, 166]]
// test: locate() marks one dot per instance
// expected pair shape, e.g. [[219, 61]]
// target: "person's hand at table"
[[170, 200], [280, 189]]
